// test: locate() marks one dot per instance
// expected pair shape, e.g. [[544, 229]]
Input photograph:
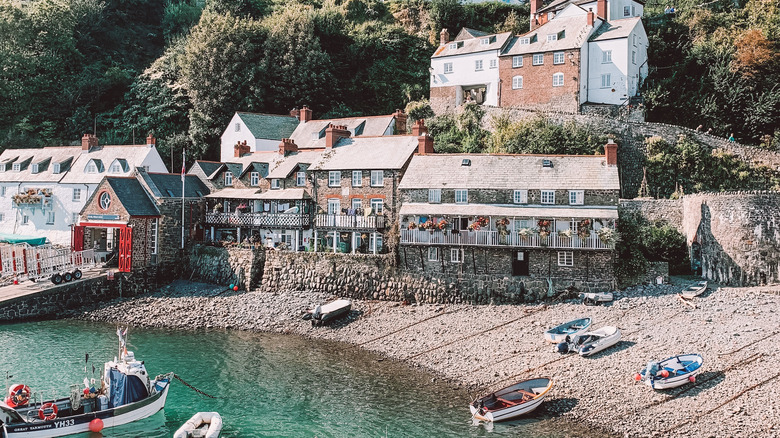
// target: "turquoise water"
[[269, 385]]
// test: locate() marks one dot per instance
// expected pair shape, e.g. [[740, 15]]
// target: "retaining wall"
[[239, 266]]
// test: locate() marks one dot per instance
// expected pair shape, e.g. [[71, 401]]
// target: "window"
[[494, 63], [565, 258], [606, 80], [456, 255], [2, 217], [484, 41], [76, 195], [576, 197], [153, 232], [377, 178], [633, 57], [74, 218], [238, 127], [2, 191], [334, 206], [17, 167], [626, 11], [633, 11], [447, 67], [56, 168], [606, 56], [34, 168], [538, 59], [526, 40], [275, 183], [453, 46], [375, 242], [334, 178], [315, 136], [478, 65], [548, 196], [434, 196], [517, 82], [558, 58], [91, 167], [115, 167], [461, 196], [377, 205], [433, 254], [634, 40], [50, 218], [357, 203], [357, 178], [520, 197], [254, 179], [105, 200], [228, 178], [552, 37], [25, 219], [558, 80], [300, 179], [517, 61]]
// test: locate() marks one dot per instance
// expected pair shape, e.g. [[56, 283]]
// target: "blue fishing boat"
[[672, 372]]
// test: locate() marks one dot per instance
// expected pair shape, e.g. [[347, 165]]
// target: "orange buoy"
[[18, 395], [96, 425], [48, 411], [637, 377], [664, 373], [692, 379]]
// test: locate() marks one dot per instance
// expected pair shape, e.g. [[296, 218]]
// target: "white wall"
[[261, 145], [155, 163], [230, 137], [464, 73], [637, 71], [618, 70]]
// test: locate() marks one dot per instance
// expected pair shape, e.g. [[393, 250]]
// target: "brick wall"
[[538, 91]]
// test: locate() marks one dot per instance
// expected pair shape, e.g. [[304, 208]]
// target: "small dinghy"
[[328, 312], [571, 329], [512, 401], [201, 425], [694, 290], [670, 373], [590, 343], [593, 298]]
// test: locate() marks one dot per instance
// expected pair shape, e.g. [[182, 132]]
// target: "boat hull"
[[80, 423], [572, 328], [331, 311], [681, 369], [694, 290], [512, 401], [604, 342]]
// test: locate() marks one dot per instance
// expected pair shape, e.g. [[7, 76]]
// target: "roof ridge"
[[266, 114]]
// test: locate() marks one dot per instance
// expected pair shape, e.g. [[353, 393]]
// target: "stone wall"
[[654, 210], [239, 266], [502, 196], [61, 300], [537, 82]]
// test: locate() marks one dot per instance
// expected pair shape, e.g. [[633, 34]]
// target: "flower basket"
[[565, 233], [584, 228], [544, 228], [607, 235], [412, 225]]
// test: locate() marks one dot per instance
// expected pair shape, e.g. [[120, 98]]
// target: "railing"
[[32, 201], [343, 221], [494, 238], [265, 220]]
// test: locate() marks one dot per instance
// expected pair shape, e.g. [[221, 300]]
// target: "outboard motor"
[[562, 347]]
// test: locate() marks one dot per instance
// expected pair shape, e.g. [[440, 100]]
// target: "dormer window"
[[17, 167], [34, 168], [453, 46], [484, 41], [228, 178], [552, 37], [118, 166], [275, 183], [315, 136], [547, 163], [254, 179], [94, 166], [525, 41], [56, 168]]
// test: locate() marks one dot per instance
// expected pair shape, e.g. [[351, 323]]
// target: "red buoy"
[[637, 377], [235, 287], [96, 425], [664, 373], [692, 379]]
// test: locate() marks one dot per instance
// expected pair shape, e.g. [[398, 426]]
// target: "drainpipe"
[[16, 216]]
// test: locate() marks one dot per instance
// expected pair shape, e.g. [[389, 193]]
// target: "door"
[[125, 249], [520, 263], [78, 238]]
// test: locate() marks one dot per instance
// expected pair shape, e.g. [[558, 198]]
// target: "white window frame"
[[434, 196], [17, 167], [34, 168], [334, 178], [55, 168], [25, 219], [300, 179], [517, 82], [557, 79], [517, 61], [3, 190], [566, 258], [356, 203], [334, 206], [606, 80], [558, 57], [448, 68], [154, 228], [377, 178], [433, 254], [538, 59], [552, 37], [76, 195], [254, 179], [547, 197], [461, 196], [626, 11], [357, 178], [453, 46], [115, 167], [493, 63], [525, 41], [576, 197], [478, 65], [606, 57], [520, 197], [74, 218], [484, 41], [91, 167], [238, 127], [377, 205], [50, 218], [228, 179], [275, 184], [456, 255]]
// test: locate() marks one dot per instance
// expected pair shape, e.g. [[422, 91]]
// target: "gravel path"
[[488, 347]]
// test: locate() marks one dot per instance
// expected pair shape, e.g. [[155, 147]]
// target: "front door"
[[125, 249], [520, 263]]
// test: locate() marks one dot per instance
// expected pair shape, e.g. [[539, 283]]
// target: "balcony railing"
[[32, 201], [264, 220], [494, 238], [349, 222]]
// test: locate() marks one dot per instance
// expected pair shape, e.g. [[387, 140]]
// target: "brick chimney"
[[444, 37], [333, 133], [88, 141], [591, 18], [419, 128], [535, 6], [304, 114], [425, 145], [150, 140], [601, 9], [240, 149], [295, 112], [286, 146], [610, 150], [400, 121]]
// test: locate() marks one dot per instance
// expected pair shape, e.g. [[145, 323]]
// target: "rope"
[[408, 326], [192, 387]]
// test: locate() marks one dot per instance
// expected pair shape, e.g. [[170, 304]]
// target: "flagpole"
[[182, 196]]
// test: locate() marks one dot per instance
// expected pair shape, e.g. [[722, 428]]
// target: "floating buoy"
[[664, 373], [96, 425], [232, 285], [235, 287], [637, 377], [692, 379]]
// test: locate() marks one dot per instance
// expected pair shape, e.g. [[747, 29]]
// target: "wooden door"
[[520, 263], [125, 249], [78, 238]]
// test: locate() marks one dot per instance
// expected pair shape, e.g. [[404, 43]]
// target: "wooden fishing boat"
[[126, 394], [512, 401], [672, 372], [571, 329], [694, 290], [202, 424], [593, 298], [592, 342], [328, 312]]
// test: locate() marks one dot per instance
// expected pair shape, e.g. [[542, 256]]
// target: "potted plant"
[[607, 235], [565, 233], [544, 228], [442, 225], [525, 232], [412, 225], [428, 225], [584, 228]]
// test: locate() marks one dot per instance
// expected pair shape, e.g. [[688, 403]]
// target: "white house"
[[43, 190], [606, 9], [259, 132], [617, 61]]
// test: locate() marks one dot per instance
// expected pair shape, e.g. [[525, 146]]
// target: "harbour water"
[[267, 385]]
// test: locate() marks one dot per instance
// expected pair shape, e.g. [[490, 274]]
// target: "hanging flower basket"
[[584, 228], [412, 225], [544, 228], [565, 233], [525, 232], [607, 235]]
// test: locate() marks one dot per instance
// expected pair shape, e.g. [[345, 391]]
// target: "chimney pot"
[[88, 141], [591, 18], [241, 149], [400, 121], [333, 133], [150, 140], [610, 150], [444, 37], [304, 114], [425, 144], [419, 128], [286, 146]]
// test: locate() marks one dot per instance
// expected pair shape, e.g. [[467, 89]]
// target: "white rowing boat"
[[672, 372], [201, 425], [572, 328], [694, 290], [590, 343], [512, 401]]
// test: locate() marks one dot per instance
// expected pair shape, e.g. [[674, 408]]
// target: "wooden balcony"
[[349, 222], [495, 239], [260, 220]]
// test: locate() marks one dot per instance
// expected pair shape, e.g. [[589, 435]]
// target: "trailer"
[[21, 262]]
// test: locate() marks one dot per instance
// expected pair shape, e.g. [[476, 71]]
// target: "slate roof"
[[358, 126], [256, 160], [168, 185], [473, 45], [209, 168], [269, 126], [615, 29], [571, 32], [284, 194], [466, 33], [282, 167], [569, 172], [557, 5], [233, 193], [386, 152], [45, 158], [134, 154], [571, 211], [133, 196]]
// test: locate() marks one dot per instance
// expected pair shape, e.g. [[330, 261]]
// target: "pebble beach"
[[484, 348]]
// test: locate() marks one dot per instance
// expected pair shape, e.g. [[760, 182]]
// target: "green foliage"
[[179, 17], [419, 110], [541, 136], [631, 261], [663, 243], [460, 133]]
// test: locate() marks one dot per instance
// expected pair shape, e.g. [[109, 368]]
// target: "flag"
[[182, 166]]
